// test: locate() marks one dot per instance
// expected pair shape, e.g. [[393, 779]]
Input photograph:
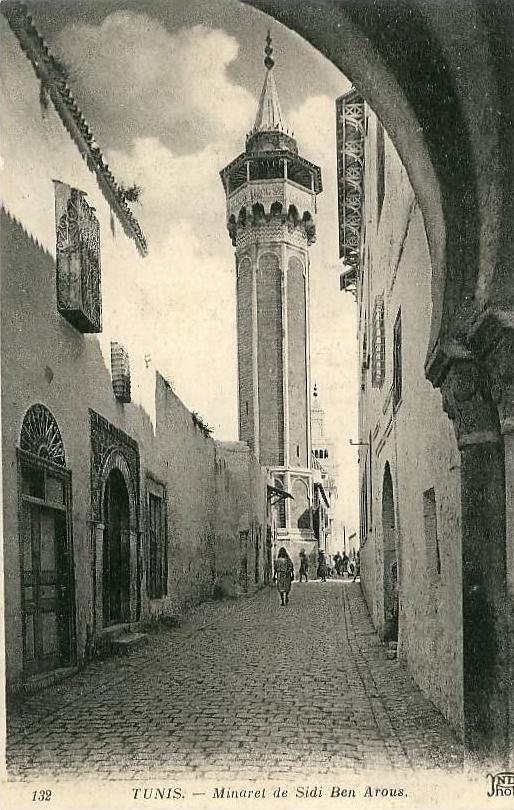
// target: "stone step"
[[127, 642]]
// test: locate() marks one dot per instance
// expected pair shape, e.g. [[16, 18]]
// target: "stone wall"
[[415, 439], [47, 361], [210, 498], [241, 507]]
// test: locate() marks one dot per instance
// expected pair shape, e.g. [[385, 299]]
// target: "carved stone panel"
[[500, 363], [105, 439], [468, 402]]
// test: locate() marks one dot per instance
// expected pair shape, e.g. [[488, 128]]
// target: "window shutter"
[[397, 360], [378, 347], [120, 368]]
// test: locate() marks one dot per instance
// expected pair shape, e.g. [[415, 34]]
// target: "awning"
[[277, 494], [322, 490]]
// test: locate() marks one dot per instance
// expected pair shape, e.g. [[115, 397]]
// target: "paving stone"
[[241, 687]]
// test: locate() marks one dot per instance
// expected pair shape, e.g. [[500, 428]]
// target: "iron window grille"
[[157, 570]]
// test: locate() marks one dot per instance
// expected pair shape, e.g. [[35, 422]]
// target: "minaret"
[[271, 205]]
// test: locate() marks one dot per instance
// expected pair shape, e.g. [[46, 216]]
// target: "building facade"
[[324, 460], [409, 462], [271, 206], [118, 507]]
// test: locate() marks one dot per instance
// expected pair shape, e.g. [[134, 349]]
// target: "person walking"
[[322, 566], [357, 566], [284, 575], [345, 562], [304, 566], [338, 562]]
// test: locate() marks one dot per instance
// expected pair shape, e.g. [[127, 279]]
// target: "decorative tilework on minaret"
[[271, 207]]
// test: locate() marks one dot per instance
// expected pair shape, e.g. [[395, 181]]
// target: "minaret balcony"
[[281, 197]]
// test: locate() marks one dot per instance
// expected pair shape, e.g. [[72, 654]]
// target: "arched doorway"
[[46, 557], [116, 550], [301, 517], [390, 559]]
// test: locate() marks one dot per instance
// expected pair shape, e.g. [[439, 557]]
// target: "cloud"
[[139, 80], [170, 117], [176, 186], [184, 299]]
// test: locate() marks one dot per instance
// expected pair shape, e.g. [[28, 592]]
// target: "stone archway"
[[390, 570], [301, 517], [117, 569], [116, 550], [440, 80]]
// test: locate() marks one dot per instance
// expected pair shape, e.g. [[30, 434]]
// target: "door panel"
[[116, 553], [47, 541], [29, 639], [49, 640], [46, 588]]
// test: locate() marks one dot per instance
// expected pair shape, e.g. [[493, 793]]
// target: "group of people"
[[284, 570]]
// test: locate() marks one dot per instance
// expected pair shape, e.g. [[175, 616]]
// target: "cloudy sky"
[[170, 90]]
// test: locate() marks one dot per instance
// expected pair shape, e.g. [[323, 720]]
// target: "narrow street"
[[242, 688]]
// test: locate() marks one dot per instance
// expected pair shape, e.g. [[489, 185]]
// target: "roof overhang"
[[54, 81], [277, 494], [321, 488], [279, 154]]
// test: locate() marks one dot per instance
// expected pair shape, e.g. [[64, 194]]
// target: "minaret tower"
[[271, 206]]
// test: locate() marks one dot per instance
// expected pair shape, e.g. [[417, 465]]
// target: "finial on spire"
[[268, 50], [315, 390]]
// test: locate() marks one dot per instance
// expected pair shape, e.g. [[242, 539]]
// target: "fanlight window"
[[40, 435]]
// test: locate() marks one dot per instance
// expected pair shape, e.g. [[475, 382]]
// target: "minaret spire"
[[269, 116], [268, 50]]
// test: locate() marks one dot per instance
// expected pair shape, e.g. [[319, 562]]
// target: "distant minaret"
[[271, 205], [323, 451]]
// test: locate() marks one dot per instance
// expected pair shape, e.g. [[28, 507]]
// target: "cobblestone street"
[[241, 687]]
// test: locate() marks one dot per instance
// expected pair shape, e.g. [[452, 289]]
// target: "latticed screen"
[[78, 259], [380, 168], [350, 114], [364, 353]]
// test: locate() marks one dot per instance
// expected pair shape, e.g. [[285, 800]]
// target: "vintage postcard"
[[257, 403]]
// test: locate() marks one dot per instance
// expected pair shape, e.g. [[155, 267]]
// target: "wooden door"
[[116, 556], [46, 588]]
